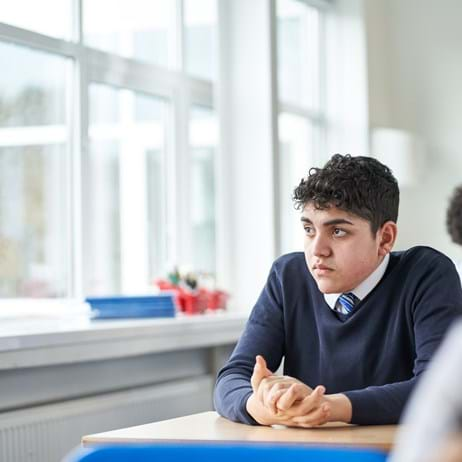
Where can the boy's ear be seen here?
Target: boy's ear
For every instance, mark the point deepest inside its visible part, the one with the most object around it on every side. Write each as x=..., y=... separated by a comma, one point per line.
x=387, y=234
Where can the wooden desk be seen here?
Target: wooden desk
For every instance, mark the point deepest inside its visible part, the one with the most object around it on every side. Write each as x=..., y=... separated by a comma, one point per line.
x=211, y=428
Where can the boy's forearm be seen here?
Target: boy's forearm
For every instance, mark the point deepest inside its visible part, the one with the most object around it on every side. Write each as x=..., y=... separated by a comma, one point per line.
x=340, y=408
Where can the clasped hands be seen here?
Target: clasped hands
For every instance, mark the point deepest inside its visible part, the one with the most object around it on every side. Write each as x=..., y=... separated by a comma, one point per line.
x=284, y=400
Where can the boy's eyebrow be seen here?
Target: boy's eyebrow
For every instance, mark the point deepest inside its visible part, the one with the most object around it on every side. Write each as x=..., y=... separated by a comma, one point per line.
x=335, y=221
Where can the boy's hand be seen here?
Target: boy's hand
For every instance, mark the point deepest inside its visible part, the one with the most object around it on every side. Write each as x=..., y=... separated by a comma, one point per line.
x=282, y=399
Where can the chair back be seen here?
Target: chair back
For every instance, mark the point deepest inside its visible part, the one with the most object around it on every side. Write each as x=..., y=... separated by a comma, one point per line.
x=224, y=453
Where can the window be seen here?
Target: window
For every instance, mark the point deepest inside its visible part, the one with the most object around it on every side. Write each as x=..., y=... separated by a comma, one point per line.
x=126, y=183
x=302, y=119
x=92, y=150
x=299, y=27
x=34, y=161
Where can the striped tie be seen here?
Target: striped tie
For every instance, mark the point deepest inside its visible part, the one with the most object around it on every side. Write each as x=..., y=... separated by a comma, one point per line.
x=347, y=302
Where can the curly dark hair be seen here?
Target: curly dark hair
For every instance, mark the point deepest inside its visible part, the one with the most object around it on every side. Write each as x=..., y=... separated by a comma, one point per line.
x=359, y=185
x=454, y=216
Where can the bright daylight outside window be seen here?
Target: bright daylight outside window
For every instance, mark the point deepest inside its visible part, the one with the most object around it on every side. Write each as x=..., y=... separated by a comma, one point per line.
x=200, y=18
x=141, y=29
x=37, y=16
x=203, y=137
x=34, y=157
x=94, y=131
x=126, y=183
x=300, y=44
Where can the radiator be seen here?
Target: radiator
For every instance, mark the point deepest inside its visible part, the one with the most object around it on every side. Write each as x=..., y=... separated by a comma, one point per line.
x=46, y=433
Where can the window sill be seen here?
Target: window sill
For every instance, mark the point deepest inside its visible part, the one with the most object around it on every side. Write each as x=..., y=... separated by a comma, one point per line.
x=49, y=340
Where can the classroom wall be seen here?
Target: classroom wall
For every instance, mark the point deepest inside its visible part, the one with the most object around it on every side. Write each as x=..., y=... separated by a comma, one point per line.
x=415, y=73
x=246, y=100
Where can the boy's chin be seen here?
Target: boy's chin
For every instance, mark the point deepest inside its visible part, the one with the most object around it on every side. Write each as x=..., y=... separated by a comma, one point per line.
x=327, y=288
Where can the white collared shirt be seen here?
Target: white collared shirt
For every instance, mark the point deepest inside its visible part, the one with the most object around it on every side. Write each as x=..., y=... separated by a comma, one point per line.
x=363, y=289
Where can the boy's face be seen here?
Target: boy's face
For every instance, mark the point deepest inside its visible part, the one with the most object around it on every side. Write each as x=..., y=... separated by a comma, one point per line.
x=340, y=250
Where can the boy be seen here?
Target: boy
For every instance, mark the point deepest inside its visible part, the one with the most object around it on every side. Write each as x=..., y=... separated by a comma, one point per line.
x=355, y=323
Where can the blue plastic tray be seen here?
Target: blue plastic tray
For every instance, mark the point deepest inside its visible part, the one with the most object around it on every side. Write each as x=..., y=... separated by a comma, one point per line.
x=147, y=306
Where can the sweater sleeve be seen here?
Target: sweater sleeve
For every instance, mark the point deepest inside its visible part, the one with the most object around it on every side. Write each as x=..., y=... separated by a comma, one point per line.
x=263, y=335
x=436, y=303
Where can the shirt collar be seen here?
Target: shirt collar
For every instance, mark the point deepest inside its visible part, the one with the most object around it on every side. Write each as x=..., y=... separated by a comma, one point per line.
x=365, y=287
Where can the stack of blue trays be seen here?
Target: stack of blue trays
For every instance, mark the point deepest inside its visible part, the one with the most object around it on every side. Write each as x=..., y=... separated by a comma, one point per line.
x=149, y=306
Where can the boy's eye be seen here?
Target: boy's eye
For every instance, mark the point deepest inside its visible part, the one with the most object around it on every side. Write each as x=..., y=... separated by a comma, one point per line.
x=339, y=232
x=308, y=230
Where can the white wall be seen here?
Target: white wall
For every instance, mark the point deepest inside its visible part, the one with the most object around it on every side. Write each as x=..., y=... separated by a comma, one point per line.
x=415, y=83
x=246, y=100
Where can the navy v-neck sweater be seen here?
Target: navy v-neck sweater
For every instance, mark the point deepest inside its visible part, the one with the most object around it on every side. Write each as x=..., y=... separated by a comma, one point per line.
x=374, y=356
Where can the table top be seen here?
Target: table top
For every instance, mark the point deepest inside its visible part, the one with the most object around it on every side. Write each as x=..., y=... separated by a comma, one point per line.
x=211, y=428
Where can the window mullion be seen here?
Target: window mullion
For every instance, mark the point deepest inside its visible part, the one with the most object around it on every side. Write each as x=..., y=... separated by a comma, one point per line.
x=183, y=223
x=81, y=188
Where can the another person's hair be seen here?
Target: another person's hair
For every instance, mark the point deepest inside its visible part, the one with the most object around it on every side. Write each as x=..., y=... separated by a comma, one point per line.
x=454, y=216
x=358, y=185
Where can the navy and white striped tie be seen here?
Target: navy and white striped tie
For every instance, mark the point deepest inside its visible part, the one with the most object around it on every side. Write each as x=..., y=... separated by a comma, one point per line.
x=347, y=302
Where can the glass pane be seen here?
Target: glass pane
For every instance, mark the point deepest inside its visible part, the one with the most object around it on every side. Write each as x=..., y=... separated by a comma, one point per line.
x=298, y=31
x=203, y=138
x=126, y=232
x=156, y=113
x=141, y=29
x=34, y=144
x=48, y=17
x=200, y=17
x=297, y=146
x=102, y=251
